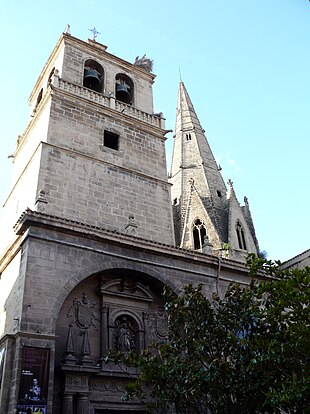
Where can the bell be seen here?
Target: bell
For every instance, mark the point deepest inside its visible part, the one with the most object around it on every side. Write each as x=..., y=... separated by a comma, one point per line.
x=92, y=80
x=122, y=93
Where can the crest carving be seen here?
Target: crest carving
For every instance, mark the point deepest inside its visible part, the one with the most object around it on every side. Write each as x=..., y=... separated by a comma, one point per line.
x=156, y=325
x=83, y=312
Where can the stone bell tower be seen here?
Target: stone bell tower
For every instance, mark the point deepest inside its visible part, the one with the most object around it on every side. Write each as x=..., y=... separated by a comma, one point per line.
x=94, y=151
x=89, y=185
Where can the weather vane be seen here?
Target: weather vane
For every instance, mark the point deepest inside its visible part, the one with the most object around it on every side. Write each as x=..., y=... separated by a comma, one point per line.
x=95, y=33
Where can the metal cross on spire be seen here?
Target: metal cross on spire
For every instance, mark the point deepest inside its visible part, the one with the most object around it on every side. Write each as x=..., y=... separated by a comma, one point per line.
x=180, y=74
x=94, y=32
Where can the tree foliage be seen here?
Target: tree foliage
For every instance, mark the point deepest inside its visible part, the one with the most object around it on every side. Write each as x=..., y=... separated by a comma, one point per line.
x=245, y=353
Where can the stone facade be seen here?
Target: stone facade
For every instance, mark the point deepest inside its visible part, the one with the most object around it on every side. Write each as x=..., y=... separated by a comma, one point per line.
x=300, y=261
x=89, y=236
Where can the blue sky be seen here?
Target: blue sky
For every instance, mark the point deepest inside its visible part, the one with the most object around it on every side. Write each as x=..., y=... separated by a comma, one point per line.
x=245, y=64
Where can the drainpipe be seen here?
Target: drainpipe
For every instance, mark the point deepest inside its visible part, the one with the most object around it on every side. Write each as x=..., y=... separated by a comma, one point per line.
x=219, y=261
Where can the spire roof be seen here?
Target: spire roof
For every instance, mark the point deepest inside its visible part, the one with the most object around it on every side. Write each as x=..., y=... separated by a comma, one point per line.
x=198, y=189
x=191, y=144
x=186, y=110
x=193, y=159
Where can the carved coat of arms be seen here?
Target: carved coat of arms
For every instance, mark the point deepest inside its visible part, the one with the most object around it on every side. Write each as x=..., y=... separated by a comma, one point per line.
x=83, y=312
x=156, y=325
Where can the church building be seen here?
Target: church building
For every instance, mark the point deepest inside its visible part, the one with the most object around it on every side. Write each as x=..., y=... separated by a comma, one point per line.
x=94, y=228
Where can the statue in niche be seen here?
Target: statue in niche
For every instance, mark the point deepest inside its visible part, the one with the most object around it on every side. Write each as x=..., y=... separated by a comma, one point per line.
x=125, y=337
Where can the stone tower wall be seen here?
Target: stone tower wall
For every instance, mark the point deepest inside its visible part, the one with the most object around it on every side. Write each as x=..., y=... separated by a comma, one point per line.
x=62, y=154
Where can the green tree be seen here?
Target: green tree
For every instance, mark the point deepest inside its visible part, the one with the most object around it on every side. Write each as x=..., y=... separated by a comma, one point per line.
x=245, y=353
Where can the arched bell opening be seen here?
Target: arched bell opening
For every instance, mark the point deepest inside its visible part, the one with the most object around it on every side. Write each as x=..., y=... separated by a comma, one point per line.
x=124, y=89
x=93, y=76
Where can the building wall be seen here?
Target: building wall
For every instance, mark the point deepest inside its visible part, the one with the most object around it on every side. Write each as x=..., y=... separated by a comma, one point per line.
x=104, y=186
x=11, y=286
x=23, y=196
x=60, y=261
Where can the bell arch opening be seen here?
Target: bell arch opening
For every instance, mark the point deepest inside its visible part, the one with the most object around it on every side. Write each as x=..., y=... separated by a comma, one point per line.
x=124, y=88
x=93, y=76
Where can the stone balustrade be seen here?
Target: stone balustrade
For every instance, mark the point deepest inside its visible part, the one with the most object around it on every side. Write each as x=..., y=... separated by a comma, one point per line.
x=111, y=102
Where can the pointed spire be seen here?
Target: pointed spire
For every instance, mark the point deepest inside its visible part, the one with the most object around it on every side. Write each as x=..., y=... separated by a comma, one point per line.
x=193, y=159
x=208, y=199
x=70, y=358
x=231, y=191
x=248, y=216
x=188, y=114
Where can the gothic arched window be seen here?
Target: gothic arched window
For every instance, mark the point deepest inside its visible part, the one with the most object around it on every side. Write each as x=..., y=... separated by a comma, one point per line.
x=240, y=235
x=93, y=76
x=124, y=88
x=199, y=233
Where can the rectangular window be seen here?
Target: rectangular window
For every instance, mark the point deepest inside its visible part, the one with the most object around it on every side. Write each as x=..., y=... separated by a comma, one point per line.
x=111, y=140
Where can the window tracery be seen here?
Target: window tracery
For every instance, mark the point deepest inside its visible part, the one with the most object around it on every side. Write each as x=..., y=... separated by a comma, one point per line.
x=240, y=236
x=199, y=234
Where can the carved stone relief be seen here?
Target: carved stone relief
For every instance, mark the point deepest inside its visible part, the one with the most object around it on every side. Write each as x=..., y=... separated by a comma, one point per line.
x=156, y=326
x=82, y=314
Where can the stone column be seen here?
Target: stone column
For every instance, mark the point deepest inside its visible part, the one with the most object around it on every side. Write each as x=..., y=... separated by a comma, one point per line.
x=112, y=100
x=104, y=330
x=67, y=404
x=82, y=403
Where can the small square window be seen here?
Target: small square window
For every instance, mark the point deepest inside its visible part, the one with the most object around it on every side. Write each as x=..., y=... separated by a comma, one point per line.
x=111, y=140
